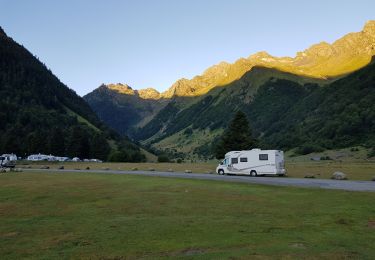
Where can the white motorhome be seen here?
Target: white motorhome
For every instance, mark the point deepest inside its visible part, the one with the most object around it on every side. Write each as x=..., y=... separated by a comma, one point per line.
x=37, y=157
x=8, y=160
x=253, y=162
x=10, y=157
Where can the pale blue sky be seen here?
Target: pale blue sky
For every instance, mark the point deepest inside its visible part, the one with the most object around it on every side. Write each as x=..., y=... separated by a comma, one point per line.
x=152, y=43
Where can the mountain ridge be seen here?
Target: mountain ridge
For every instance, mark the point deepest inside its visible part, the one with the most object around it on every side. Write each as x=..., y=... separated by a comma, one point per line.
x=283, y=113
x=188, y=117
x=345, y=55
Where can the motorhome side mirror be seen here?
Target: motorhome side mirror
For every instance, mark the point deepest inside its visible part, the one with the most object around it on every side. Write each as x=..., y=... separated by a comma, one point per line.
x=221, y=163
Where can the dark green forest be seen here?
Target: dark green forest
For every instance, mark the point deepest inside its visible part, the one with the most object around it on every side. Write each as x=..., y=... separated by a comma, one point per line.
x=39, y=114
x=339, y=115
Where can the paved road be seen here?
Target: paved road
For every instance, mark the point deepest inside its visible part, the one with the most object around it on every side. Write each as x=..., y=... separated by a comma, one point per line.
x=278, y=181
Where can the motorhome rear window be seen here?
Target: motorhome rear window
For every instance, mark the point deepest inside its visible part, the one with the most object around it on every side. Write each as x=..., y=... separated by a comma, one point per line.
x=263, y=157
x=234, y=160
x=243, y=159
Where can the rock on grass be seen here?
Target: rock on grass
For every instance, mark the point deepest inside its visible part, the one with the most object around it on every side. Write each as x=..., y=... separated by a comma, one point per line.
x=339, y=176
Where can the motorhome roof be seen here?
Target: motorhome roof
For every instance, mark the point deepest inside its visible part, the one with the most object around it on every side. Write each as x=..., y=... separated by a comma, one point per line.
x=254, y=150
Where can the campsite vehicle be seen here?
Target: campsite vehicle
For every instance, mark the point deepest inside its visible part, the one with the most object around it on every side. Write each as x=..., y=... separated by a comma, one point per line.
x=44, y=157
x=253, y=162
x=10, y=156
x=37, y=157
x=7, y=161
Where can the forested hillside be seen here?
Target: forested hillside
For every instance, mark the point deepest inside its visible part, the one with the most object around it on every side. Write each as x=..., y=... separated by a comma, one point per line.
x=122, y=108
x=291, y=101
x=39, y=114
x=339, y=115
x=284, y=113
x=195, y=127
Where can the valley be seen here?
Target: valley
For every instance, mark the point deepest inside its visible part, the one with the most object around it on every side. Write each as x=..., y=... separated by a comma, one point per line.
x=124, y=134
x=186, y=120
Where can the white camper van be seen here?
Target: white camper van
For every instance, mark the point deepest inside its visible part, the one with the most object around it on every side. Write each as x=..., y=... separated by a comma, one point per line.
x=8, y=160
x=253, y=162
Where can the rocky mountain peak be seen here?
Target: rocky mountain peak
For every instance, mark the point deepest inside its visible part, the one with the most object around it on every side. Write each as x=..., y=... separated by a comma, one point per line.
x=321, y=60
x=121, y=88
x=149, y=93
x=260, y=55
x=322, y=49
x=369, y=27
x=180, y=88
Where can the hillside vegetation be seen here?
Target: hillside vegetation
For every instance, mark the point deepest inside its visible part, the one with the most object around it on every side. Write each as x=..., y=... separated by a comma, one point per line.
x=283, y=114
x=292, y=103
x=339, y=115
x=39, y=114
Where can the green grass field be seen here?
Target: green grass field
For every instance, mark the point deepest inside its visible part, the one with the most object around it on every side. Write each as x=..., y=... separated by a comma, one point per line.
x=104, y=216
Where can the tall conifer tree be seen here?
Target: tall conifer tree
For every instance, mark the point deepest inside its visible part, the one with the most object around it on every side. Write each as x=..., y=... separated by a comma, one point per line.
x=237, y=136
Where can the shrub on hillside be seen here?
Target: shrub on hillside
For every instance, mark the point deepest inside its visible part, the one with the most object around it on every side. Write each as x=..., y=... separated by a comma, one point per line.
x=163, y=158
x=179, y=160
x=188, y=131
x=308, y=148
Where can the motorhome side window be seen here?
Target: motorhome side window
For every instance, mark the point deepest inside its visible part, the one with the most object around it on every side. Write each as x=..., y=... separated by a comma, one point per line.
x=234, y=160
x=243, y=159
x=263, y=157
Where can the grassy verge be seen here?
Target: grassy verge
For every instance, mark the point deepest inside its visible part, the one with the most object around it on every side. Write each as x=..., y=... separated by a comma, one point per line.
x=96, y=216
x=324, y=169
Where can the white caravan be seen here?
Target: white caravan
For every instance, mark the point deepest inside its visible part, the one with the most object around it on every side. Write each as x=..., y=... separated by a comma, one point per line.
x=8, y=160
x=10, y=157
x=253, y=162
x=37, y=157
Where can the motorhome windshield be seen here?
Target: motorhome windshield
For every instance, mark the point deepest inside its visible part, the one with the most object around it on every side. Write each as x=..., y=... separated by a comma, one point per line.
x=224, y=162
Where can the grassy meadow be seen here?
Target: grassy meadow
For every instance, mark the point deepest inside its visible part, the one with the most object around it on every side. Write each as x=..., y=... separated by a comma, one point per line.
x=97, y=216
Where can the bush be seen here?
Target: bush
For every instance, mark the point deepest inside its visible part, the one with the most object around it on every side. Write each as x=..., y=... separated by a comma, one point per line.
x=163, y=158
x=371, y=153
x=308, y=148
x=118, y=156
x=179, y=160
x=188, y=131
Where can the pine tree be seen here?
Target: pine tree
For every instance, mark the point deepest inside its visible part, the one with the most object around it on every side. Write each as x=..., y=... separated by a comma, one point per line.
x=56, y=142
x=79, y=145
x=99, y=147
x=236, y=137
